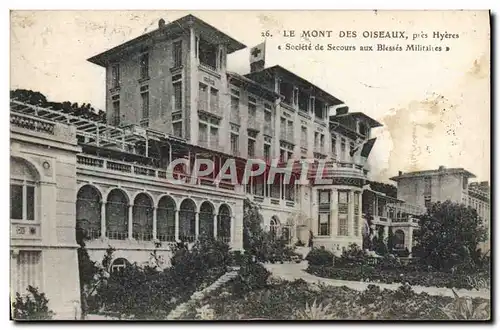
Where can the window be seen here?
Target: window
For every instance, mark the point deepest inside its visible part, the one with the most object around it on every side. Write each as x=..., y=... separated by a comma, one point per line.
x=252, y=112
x=203, y=134
x=427, y=201
x=177, y=128
x=268, y=122
x=144, y=63
x=214, y=137
x=343, y=206
x=115, y=76
x=234, y=144
x=22, y=201
x=290, y=131
x=464, y=182
x=22, y=191
x=282, y=155
x=208, y=134
x=235, y=110
x=334, y=146
x=303, y=101
x=115, y=119
x=214, y=100
x=207, y=54
x=362, y=129
x=177, y=53
x=324, y=205
x=177, y=95
x=251, y=148
x=203, y=97
x=316, y=140
x=427, y=185
x=322, y=142
x=267, y=152
x=303, y=137
x=283, y=128
x=343, y=149
x=324, y=224
x=145, y=104
x=319, y=109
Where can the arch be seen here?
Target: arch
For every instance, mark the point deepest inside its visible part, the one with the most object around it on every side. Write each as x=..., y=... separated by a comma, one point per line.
x=187, y=220
x=142, y=217
x=117, y=209
x=224, y=223
x=88, y=210
x=21, y=167
x=274, y=226
x=399, y=239
x=24, y=189
x=165, y=223
x=206, y=219
x=118, y=265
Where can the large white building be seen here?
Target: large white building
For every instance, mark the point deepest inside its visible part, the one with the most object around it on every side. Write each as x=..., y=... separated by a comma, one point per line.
x=169, y=96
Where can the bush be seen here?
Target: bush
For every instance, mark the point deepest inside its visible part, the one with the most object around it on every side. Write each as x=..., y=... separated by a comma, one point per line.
x=34, y=306
x=320, y=257
x=251, y=276
x=352, y=256
x=150, y=293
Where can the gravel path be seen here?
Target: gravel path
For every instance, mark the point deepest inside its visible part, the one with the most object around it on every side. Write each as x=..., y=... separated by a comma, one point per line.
x=293, y=271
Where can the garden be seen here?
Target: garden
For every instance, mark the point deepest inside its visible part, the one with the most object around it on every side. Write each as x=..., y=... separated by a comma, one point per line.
x=445, y=254
x=259, y=298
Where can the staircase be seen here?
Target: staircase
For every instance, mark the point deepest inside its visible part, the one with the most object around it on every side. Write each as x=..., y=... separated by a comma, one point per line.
x=199, y=295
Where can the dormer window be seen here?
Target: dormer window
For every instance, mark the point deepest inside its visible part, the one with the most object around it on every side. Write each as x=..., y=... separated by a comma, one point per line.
x=363, y=130
x=207, y=53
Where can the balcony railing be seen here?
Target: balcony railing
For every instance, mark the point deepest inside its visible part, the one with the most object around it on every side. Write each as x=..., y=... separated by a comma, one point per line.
x=32, y=123
x=123, y=167
x=118, y=235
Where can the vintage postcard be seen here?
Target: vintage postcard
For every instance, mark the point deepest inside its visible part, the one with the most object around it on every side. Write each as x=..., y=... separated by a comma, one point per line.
x=250, y=165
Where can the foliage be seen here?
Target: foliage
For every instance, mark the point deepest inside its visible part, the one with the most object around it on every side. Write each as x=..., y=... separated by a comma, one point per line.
x=400, y=274
x=464, y=308
x=148, y=292
x=352, y=256
x=36, y=98
x=320, y=257
x=449, y=234
x=315, y=312
x=33, y=306
x=285, y=300
x=263, y=245
x=251, y=276
x=388, y=189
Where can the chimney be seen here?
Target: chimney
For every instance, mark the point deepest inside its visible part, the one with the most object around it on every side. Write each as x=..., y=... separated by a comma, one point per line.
x=400, y=173
x=161, y=23
x=342, y=111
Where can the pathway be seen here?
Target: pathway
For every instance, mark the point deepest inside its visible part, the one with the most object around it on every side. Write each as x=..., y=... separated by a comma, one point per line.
x=293, y=271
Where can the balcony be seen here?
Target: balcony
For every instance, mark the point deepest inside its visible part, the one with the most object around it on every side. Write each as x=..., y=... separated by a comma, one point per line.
x=22, y=123
x=110, y=166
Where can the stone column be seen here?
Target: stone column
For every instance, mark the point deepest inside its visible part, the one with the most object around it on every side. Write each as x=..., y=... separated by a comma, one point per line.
x=350, y=215
x=215, y=225
x=155, y=220
x=176, y=214
x=334, y=213
x=103, y=220
x=197, y=224
x=130, y=221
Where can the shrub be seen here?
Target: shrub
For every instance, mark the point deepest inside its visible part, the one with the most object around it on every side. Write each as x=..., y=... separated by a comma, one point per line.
x=34, y=306
x=251, y=276
x=320, y=257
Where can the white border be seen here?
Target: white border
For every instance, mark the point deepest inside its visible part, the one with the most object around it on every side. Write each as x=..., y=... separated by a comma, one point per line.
x=188, y=5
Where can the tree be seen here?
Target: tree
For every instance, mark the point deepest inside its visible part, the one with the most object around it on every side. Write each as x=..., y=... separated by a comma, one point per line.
x=449, y=233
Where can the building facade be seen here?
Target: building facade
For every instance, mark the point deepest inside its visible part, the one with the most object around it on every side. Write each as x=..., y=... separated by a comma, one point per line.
x=425, y=187
x=170, y=99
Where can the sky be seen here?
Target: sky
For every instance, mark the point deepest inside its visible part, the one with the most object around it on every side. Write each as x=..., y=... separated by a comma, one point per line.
x=434, y=106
